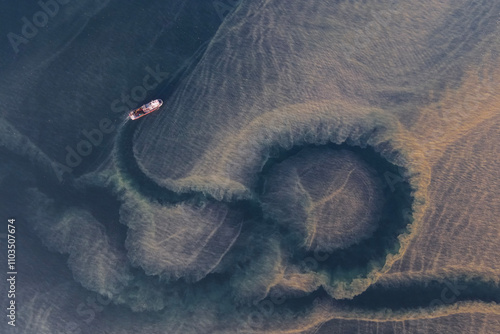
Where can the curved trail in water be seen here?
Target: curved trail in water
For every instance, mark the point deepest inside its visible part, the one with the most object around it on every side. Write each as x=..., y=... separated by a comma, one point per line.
x=355, y=261
x=435, y=294
x=383, y=242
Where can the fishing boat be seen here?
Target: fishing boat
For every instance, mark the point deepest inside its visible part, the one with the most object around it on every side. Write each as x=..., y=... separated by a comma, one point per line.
x=148, y=108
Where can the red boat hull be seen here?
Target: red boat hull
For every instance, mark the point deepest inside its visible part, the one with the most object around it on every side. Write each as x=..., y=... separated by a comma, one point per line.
x=146, y=109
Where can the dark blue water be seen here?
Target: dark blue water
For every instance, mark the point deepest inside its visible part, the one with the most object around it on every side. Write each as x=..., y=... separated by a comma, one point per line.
x=59, y=79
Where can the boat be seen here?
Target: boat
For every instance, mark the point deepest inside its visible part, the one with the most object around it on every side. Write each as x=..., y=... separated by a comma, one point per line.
x=146, y=109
